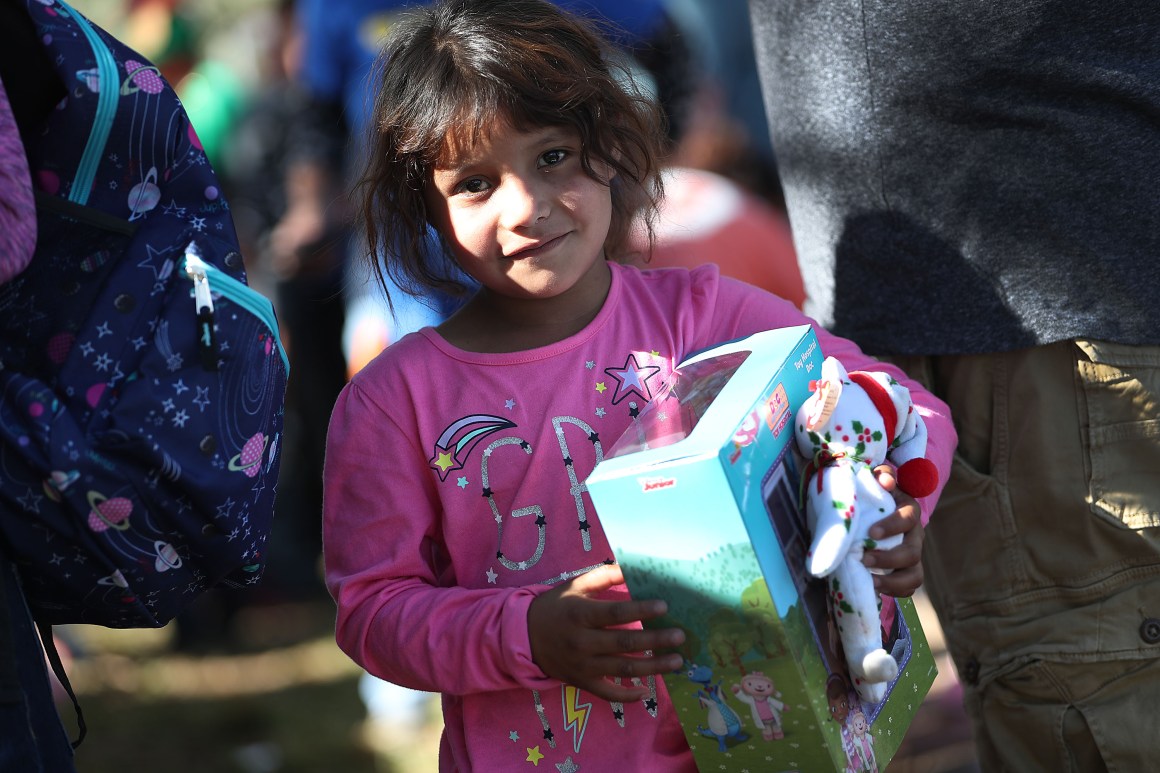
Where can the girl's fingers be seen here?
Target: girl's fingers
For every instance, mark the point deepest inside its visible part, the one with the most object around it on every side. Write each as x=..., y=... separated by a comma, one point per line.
x=612, y=692
x=906, y=555
x=611, y=613
x=645, y=640
x=899, y=583
x=628, y=667
x=612, y=677
x=615, y=642
x=896, y=523
x=599, y=579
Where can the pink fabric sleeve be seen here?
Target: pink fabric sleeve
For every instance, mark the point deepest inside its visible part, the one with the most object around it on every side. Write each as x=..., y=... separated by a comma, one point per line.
x=400, y=616
x=17, y=206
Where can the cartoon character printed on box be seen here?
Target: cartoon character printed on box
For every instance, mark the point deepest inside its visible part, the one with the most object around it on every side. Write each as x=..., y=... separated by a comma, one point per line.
x=838, y=697
x=843, y=704
x=723, y=721
x=863, y=744
x=759, y=693
x=852, y=423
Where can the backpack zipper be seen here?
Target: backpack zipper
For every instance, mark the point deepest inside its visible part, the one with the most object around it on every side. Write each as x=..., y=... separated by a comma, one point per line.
x=206, y=277
x=106, y=112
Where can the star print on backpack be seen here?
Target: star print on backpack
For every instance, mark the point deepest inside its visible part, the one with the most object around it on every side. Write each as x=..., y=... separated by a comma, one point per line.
x=142, y=381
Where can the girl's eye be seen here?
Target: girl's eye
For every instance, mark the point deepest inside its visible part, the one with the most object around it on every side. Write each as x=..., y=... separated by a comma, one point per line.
x=473, y=185
x=553, y=157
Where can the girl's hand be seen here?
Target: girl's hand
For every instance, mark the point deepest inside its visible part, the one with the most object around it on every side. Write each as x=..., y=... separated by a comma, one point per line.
x=574, y=639
x=906, y=559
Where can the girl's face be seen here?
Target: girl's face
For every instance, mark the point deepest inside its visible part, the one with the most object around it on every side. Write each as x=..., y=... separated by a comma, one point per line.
x=521, y=215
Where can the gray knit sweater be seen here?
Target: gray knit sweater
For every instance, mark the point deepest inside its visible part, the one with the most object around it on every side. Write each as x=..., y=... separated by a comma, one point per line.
x=969, y=175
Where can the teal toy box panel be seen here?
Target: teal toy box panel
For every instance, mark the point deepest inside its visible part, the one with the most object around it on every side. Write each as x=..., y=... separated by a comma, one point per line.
x=700, y=502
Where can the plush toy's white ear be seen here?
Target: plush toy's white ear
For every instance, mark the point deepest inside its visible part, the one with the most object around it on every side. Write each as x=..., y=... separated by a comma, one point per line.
x=827, y=390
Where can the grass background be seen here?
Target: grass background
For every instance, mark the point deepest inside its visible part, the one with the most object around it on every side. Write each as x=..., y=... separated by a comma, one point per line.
x=278, y=696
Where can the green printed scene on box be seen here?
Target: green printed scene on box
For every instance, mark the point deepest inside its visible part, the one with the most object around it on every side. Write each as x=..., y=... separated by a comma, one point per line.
x=705, y=492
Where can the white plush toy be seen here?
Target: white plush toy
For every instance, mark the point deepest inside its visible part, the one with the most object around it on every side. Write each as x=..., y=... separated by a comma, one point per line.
x=849, y=425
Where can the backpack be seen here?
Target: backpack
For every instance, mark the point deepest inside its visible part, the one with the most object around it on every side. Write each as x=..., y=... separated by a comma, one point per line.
x=142, y=381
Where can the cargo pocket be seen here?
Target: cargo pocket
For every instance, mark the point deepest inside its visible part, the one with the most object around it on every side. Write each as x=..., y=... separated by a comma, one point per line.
x=1121, y=388
x=1118, y=715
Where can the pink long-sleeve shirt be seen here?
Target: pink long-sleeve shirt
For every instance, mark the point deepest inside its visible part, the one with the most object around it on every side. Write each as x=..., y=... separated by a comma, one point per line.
x=454, y=494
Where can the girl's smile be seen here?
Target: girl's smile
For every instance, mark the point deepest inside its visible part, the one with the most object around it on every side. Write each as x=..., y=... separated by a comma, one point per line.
x=537, y=249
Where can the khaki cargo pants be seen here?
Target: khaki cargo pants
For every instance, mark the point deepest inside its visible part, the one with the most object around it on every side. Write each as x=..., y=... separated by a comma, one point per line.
x=1043, y=556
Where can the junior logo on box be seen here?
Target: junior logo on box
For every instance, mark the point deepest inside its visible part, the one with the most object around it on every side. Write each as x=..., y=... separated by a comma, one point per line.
x=656, y=484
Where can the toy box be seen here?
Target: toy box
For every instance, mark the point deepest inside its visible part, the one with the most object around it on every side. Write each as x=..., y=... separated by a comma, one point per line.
x=700, y=503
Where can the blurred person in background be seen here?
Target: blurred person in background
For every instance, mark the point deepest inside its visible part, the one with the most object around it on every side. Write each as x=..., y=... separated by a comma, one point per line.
x=169, y=34
x=307, y=288
x=340, y=42
x=722, y=200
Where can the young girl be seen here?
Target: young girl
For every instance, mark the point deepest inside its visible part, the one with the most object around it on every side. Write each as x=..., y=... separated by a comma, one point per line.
x=461, y=546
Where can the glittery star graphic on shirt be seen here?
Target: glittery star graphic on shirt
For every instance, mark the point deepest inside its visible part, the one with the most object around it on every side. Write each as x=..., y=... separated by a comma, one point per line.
x=632, y=378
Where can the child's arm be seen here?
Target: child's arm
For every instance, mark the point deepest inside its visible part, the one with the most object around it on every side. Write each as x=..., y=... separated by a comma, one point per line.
x=402, y=614
x=581, y=641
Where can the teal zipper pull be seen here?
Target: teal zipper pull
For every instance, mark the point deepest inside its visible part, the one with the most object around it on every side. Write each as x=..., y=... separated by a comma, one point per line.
x=207, y=346
x=236, y=292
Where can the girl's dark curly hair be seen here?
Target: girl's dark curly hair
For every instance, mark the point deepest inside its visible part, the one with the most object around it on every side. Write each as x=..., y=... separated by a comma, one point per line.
x=451, y=72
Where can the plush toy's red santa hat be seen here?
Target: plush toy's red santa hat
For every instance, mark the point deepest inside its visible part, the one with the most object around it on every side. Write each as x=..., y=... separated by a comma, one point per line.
x=905, y=430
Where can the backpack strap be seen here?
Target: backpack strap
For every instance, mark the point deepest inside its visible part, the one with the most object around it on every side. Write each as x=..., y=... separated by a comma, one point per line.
x=10, y=683
x=49, y=644
x=9, y=679
x=106, y=111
